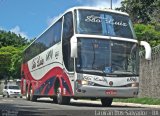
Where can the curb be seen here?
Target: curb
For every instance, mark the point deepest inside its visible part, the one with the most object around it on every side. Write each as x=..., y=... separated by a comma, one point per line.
x=136, y=105
x=121, y=104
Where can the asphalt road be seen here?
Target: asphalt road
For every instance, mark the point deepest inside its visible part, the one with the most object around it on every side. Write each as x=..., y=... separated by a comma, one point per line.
x=45, y=106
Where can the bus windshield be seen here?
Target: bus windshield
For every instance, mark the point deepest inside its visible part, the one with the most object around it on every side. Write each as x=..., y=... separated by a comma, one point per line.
x=104, y=23
x=107, y=57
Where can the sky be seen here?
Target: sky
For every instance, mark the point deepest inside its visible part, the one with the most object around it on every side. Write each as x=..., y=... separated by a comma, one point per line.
x=30, y=18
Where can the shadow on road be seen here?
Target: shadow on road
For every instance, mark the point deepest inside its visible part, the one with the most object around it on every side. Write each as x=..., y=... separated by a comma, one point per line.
x=83, y=104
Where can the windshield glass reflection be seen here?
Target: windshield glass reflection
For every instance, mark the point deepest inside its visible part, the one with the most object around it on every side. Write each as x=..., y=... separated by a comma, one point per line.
x=107, y=57
x=104, y=23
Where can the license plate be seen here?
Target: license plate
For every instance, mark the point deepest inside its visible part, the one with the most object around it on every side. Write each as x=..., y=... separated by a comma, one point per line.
x=111, y=92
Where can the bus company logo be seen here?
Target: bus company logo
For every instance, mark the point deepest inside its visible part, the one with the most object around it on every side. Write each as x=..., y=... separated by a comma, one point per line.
x=99, y=79
x=33, y=64
x=49, y=55
x=37, y=62
x=40, y=61
x=56, y=54
x=108, y=20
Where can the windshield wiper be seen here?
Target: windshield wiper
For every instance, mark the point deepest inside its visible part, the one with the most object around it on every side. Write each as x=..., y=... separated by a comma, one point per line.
x=98, y=71
x=124, y=73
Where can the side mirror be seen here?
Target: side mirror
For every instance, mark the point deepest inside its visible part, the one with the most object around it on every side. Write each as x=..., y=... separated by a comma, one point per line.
x=73, y=43
x=148, y=49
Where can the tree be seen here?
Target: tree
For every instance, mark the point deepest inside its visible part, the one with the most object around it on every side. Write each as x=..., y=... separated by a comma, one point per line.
x=16, y=63
x=140, y=11
x=10, y=63
x=5, y=64
x=154, y=16
x=147, y=33
x=11, y=47
x=11, y=39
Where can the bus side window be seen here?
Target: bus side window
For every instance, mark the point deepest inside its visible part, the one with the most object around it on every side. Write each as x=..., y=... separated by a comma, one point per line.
x=67, y=34
x=55, y=33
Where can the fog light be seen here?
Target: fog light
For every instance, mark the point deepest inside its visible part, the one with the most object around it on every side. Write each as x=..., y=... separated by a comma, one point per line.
x=135, y=84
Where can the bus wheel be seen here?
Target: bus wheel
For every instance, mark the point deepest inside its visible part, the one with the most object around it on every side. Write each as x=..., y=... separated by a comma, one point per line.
x=55, y=100
x=32, y=97
x=106, y=102
x=27, y=94
x=62, y=99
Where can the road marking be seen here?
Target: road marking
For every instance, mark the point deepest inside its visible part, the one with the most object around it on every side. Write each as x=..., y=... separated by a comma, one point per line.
x=119, y=104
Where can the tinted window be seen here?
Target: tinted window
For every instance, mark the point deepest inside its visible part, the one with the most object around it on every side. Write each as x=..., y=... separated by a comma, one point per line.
x=45, y=41
x=67, y=34
x=107, y=57
x=104, y=23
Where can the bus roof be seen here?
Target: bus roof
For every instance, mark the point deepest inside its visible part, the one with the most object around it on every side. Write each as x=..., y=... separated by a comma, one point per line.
x=97, y=9
x=80, y=7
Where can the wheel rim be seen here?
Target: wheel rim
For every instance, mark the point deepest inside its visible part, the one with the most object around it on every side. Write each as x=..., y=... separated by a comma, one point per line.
x=27, y=95
x=59, y=96
x=31, y=93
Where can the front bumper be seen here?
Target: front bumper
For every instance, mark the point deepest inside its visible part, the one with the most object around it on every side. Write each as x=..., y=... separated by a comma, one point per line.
x=114, y=92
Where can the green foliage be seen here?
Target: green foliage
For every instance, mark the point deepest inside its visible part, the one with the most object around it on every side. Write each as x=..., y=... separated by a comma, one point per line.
x=142, y=11
x=154, y=15
x=10, y=62
x=148, y=33
x=5, y=64
x=11, y=47
x=145, y=16
x=11, y=39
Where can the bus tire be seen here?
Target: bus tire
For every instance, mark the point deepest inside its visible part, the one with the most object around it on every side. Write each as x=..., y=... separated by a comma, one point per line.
x=106, y=102
x=63, y=100
x=55, y=100
x=32, y=97
x=27, y=94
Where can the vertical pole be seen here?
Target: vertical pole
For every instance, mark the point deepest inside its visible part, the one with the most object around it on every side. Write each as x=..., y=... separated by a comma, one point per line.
x=111, y=4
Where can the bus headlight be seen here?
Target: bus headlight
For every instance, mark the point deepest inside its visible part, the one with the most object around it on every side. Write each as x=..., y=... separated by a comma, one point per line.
x=84, y=82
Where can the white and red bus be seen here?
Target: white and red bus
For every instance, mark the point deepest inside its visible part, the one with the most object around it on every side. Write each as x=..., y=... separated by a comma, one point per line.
x=86, y=53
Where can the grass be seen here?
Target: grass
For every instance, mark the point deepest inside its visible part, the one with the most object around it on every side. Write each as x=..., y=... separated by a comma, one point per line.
x=149, y=101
